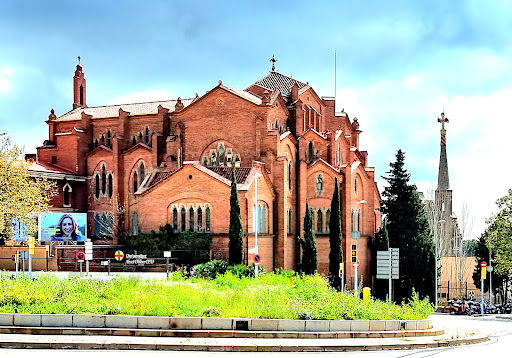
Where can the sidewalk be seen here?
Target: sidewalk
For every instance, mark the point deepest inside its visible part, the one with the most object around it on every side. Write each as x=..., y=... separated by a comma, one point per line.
x=114, y=342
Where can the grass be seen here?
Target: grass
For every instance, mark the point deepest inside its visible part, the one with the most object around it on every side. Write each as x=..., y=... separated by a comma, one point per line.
x=270, y=296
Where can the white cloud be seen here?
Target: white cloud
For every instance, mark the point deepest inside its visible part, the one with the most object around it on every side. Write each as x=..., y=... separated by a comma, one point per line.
x=5, y=82
x=478, y=148
x=411, y=82
x=145, y=96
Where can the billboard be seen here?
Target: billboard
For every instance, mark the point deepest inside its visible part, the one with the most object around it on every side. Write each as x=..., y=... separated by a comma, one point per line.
x=19, y=230
x=65, y=227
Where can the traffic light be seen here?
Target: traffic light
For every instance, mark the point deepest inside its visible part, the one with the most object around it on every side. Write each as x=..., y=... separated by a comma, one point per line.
x=354, y=253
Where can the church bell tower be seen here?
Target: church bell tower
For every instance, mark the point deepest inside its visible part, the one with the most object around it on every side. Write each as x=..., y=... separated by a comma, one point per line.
x=79, y=87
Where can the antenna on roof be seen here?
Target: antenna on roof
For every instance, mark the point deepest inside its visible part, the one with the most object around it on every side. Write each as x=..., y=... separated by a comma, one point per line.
x=334, y=80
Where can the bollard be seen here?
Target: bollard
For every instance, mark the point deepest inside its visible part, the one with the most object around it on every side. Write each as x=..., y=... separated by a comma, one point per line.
x=366, y=294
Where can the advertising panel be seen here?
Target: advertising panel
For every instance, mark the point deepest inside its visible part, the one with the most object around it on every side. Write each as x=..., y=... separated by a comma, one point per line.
x=64, y=227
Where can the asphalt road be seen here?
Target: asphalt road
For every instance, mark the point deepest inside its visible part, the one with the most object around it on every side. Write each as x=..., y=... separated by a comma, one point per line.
x=499, y=330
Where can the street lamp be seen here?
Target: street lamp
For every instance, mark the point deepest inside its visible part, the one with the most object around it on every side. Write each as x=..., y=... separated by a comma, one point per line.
x=256, y=221
x=355, y=235
x=436, y=245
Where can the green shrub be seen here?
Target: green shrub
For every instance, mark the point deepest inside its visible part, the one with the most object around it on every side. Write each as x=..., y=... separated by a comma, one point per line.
x=211, y=269
x=271, y=295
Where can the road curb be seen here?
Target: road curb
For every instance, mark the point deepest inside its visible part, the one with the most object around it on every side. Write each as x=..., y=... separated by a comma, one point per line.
x=228, y=345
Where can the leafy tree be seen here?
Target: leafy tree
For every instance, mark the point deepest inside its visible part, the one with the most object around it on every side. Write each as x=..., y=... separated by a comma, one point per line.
x=22, y=198
x=379, y=243
x=236, y=231
x=308, y=244
x=499, y=234
x=497, y=238
x=408, y=230
x=335, y=253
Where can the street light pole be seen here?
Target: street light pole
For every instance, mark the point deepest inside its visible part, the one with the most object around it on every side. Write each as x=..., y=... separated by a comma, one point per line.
x=256, y=221
x=355, y=235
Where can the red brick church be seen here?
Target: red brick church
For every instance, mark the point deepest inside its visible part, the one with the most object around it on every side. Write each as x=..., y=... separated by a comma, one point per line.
x=170, y=162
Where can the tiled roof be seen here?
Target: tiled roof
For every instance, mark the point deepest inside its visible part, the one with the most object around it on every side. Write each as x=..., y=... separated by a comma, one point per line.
x=48, y=168
x=240, y=173
x=282, y=82
x=160, y=176
x=246, y=95
x=113, y=110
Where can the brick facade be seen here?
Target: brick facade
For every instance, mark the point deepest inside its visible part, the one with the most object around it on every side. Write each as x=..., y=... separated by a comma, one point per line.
x=169, y=158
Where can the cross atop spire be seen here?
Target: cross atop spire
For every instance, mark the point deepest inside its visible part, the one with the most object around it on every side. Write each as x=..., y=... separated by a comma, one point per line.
x=443, y=120
x=78, y=59
x=273, y=60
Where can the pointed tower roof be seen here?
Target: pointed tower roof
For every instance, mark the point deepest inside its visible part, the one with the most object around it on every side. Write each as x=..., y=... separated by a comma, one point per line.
x=443, y=179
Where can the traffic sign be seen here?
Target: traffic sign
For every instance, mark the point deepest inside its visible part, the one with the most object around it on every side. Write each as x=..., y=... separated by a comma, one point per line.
x=31, y=245
x=119, y=255
x=167, y=253
x=88, y=257
x=356, y=263
x=483, y=264
x=80, y=255
x=257, y=258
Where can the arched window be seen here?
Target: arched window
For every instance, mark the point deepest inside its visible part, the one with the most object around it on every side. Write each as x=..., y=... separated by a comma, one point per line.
x=135, y=182
x=327, y=221
x=103, y=180
x=310, y=152
x=102, y=139
x=207, y=220
x=355, y=186
x=290, y=174
x=97, y=224
x=110, y=186
x=183, y=219
x=109, y=138
x=135, y=224
x=191, y=219
x=319, y=221
x=134, y=140
x=146, y=137
x=262, y=218
x=175, y=219
x=96, y=144
x=199, y=219
x=81, y=95
x=142, y=174
x=290, y=221
x=319, y=183
x=97, y=185
x=66, y=192
x=140, y=136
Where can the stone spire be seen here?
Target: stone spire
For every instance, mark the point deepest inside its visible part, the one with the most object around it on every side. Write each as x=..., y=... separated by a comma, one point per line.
x=443, y=180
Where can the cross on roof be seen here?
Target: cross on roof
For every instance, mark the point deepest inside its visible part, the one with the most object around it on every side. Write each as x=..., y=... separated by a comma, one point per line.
x=273, y=60
x=443, y=120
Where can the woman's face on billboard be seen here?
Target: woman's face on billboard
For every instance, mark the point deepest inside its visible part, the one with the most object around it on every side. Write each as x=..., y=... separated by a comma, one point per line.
x=67, y=226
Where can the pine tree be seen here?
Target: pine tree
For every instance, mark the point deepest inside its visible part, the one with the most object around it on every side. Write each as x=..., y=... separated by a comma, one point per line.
x=308, y=244
x=236, y=231
x=408, y=230
x=335, y=254
x=379, y=243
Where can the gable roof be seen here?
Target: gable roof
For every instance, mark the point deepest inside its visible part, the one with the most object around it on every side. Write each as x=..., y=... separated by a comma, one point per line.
x=112, y=111
x=52, y=171
x=241, y=173
x=273, y=80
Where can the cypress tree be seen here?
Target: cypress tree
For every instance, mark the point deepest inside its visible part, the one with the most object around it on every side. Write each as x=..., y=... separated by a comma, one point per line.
x=408, y=230
x=308, y=244
x=335, y=254
x=236, y=231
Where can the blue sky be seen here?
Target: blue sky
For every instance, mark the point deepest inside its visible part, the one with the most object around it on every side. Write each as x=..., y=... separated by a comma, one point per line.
x=399, y=64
